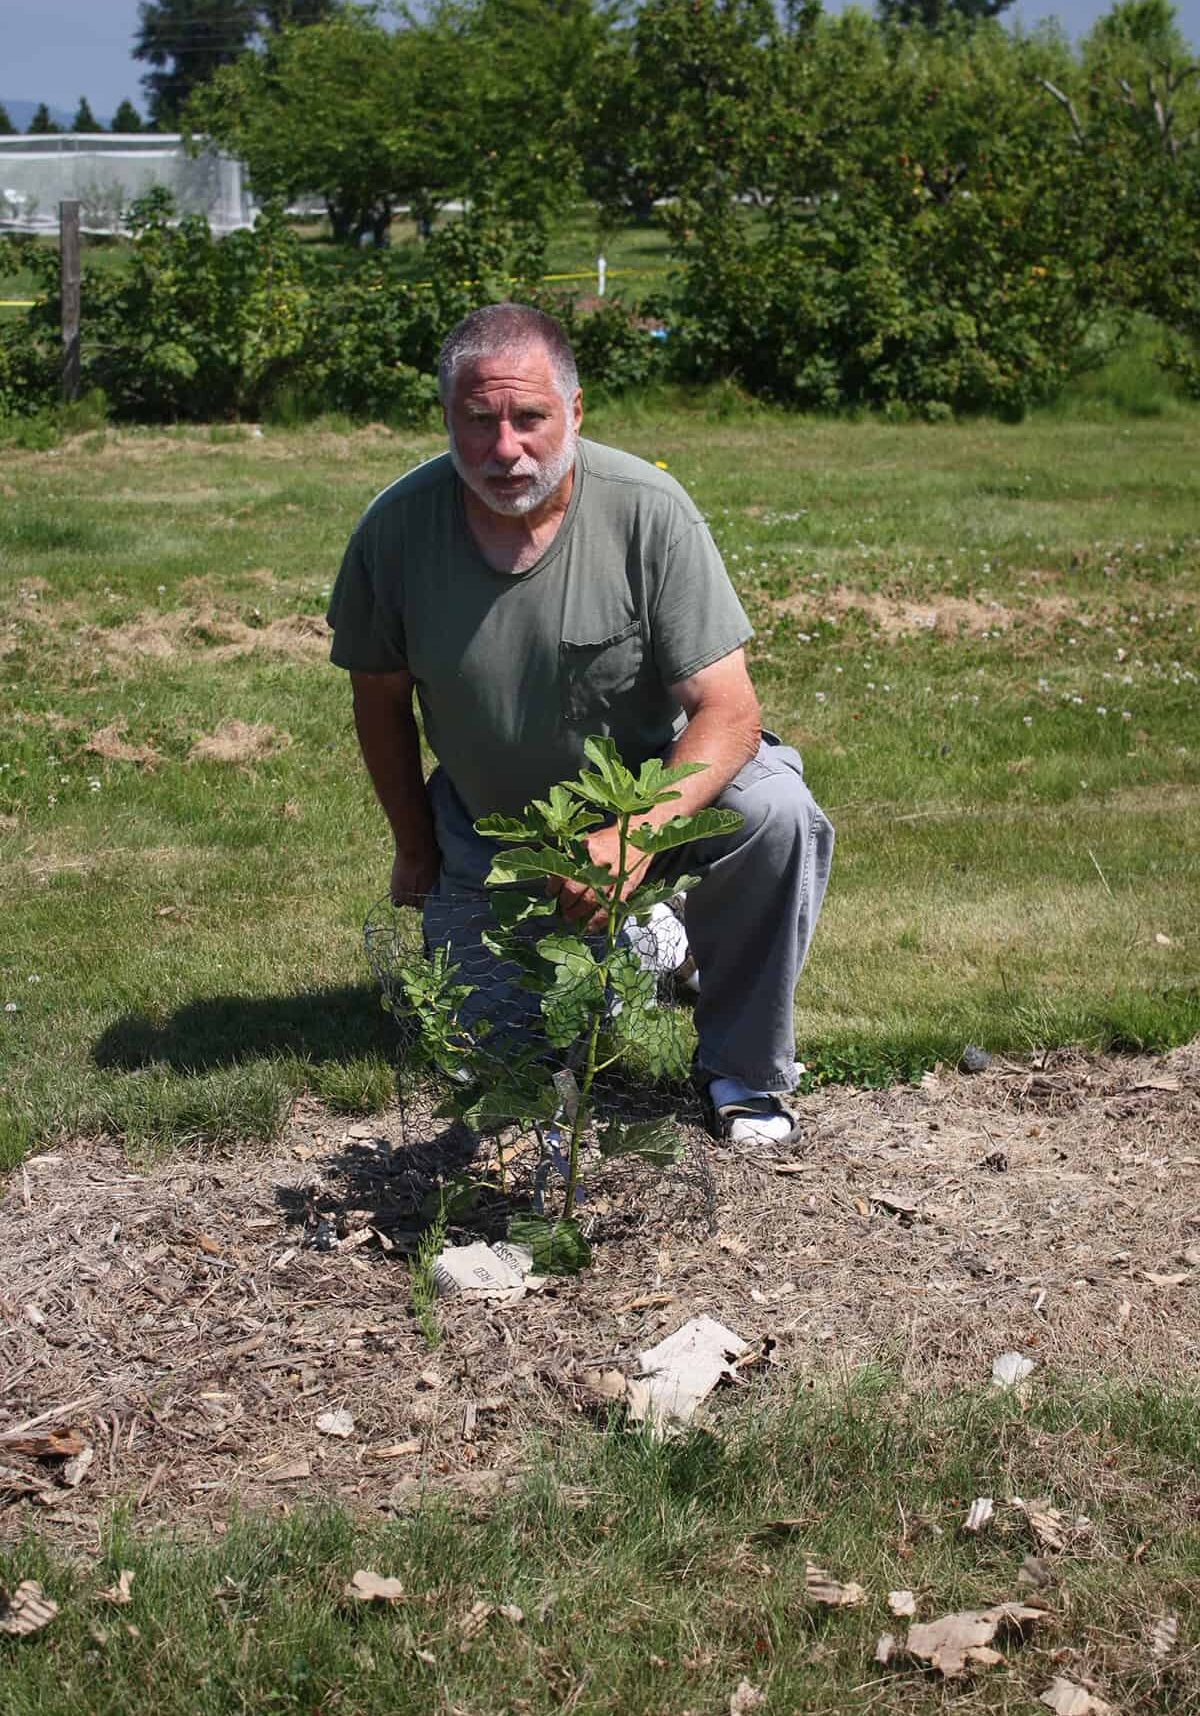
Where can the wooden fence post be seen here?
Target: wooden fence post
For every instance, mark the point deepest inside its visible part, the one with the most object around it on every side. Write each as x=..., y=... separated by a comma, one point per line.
x=68, y=230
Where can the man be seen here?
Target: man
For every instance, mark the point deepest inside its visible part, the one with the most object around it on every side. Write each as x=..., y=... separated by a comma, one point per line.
x=533, y=588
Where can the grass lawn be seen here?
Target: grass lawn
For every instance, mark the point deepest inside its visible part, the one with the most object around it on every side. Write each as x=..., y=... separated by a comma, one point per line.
x=982, y=638
x=621, y=1577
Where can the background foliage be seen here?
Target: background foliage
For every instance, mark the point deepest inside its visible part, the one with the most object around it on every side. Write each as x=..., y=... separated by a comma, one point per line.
x=929, y=217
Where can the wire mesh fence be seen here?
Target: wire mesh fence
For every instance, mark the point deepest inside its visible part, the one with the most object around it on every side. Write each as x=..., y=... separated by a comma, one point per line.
x=505, y=1043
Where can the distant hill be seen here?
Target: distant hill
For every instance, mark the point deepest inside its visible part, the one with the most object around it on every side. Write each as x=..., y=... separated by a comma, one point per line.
x=21, y=112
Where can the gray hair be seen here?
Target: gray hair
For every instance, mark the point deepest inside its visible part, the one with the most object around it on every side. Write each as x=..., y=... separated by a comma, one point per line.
x=506, y=328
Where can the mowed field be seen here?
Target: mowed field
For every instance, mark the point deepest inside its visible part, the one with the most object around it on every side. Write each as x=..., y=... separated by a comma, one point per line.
x=983, y=640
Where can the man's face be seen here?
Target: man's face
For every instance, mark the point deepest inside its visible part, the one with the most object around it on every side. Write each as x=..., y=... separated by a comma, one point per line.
x=512, y=435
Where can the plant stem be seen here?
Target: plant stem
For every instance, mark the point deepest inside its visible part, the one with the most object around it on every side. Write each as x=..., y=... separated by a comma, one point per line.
x=612, y=927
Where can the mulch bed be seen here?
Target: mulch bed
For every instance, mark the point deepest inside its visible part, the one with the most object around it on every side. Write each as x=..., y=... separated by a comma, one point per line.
x=183, y=1323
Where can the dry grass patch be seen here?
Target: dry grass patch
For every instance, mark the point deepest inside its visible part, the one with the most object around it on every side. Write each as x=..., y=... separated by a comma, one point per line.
x=109, y=744
x=942, y=616
x=237, y=741
x=162, y=636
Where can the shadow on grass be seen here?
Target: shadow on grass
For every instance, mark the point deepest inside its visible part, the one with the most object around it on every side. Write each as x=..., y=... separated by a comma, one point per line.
x=225, y=1030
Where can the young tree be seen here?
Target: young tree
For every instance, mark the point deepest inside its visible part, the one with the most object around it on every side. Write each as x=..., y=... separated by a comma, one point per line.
x=41, y=125
x=127, y=119
x=85, y=119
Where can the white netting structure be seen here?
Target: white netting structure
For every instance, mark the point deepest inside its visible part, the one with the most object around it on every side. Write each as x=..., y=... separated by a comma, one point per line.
x=107, y=173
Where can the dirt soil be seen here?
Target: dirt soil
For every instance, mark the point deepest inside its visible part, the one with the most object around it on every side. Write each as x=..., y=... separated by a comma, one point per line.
x=183, y=1323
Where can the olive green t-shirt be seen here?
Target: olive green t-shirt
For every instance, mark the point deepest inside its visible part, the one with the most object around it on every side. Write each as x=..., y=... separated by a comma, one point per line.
x=514, y=670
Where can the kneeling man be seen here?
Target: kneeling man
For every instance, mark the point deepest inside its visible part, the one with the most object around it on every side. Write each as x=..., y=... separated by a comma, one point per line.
x=532, y=588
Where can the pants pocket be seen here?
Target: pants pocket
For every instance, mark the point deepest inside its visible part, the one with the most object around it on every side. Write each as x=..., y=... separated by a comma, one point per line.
x=595, y=675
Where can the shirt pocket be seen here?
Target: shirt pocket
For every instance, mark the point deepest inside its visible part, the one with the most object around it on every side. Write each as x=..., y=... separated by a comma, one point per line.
x=595, y=675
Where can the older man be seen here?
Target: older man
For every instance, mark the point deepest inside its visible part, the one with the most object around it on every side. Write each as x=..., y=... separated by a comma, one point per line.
x=531, y=588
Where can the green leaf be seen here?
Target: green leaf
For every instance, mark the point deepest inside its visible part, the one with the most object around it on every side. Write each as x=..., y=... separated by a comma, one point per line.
x=656, y=778
x=558, y=1247
x=458, y=1199
x=562, y=948
x=656, y=893
x=511, y=907
x=517, y=1100
x=611, y=778
x=655, y=1141
x=523, y=863
x=632, y=985
x=507, y=828
x=682, y=830
x=571, y=1002
x=562, y=816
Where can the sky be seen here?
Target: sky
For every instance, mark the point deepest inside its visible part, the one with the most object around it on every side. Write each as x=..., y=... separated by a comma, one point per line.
x=57, y=50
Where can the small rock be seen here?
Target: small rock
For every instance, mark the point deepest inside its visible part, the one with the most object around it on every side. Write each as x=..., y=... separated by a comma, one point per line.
x=974, y=1059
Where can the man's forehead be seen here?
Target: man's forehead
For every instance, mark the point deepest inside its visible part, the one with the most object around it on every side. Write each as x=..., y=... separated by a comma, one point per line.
x=524, y=368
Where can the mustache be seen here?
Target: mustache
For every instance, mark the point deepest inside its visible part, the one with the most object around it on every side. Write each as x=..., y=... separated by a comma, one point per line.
x=525, y=466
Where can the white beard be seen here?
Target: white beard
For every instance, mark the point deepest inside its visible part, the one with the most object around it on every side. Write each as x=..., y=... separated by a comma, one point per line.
x=544, y=475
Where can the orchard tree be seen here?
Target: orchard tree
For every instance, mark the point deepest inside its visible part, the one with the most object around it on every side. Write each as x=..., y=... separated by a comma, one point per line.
x=676, y=96
x=528, y=70
x=339, y=109
x=127, y=119
x=85, y=119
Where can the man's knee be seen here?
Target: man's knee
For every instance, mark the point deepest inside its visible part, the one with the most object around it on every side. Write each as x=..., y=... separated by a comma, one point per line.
x=777, y=809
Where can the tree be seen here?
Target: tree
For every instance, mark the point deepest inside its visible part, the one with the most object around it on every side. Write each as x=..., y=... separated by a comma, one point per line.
x=519, y=106
x=85, y=119
x=127, y=119
x=339, y=109
x=41, y=125
x=7, y=128
x=186, y=41
x=277, y=14
x=940, y=14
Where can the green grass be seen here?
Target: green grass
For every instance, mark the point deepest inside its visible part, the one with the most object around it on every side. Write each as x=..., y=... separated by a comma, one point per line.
x=649, y=1577
x=182, y=949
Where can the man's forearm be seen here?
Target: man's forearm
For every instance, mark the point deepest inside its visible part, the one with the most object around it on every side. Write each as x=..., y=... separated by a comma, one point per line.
x=723, y=744
x=391, y=750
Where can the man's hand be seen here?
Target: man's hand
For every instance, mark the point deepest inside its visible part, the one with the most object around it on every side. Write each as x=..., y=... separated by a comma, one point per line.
x=579, y=904
x=414, y=872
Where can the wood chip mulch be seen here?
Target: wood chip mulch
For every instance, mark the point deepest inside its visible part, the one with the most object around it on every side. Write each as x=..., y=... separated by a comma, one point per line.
x=170, y=1336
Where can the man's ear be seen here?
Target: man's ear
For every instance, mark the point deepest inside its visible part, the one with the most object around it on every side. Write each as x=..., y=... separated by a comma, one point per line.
x=577, y=409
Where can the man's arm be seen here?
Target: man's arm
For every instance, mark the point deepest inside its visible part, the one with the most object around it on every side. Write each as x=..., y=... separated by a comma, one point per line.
x=723, y=732
x=391, y=749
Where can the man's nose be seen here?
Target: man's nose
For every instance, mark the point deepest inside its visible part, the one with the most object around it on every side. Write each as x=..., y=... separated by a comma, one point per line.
x=508, y=447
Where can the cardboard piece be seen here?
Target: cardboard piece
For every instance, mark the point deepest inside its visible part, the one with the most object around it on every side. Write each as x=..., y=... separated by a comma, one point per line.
x=685, y=1368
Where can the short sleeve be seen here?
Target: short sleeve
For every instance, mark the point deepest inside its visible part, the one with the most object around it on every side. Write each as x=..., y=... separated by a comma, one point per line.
x=696, y=617
x=367, y=637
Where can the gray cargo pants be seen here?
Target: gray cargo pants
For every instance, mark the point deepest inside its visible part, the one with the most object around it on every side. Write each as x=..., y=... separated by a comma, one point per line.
x=749, y=920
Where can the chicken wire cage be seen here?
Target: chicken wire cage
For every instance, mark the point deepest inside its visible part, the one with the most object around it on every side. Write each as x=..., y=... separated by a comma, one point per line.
x=506, y=1032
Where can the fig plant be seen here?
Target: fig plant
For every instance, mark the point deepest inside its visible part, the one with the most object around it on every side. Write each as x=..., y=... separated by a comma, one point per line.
x=593, y=995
